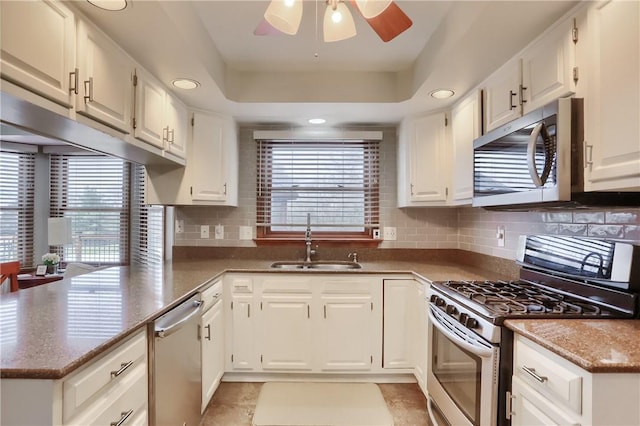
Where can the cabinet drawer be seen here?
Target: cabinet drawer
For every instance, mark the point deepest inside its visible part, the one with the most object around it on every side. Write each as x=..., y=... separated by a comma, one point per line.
x=103, y=373
x=126, y=401
x=548, y=373
x=210, y=295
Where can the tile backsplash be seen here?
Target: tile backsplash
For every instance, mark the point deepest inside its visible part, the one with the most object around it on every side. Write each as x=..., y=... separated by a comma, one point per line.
x=466, y=228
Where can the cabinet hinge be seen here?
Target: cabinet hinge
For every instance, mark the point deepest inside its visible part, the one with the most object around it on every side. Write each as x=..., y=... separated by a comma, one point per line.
x=191, y=193
x=135, y=80
x=133, y=120
x=575, y=75
x=574, y=32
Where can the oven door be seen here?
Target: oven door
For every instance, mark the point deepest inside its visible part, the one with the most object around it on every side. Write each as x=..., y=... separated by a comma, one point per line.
x=462, y=378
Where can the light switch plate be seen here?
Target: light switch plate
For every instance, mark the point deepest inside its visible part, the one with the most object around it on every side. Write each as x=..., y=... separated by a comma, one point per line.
x=204, y=231
x=219, y=232
x=246, y=233
x=179, y=226
x=500, y=235
x=390, y=233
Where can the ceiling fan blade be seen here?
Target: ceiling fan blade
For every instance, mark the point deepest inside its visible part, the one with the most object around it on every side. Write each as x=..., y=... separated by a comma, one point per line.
x=390, y=23
x=266, y=29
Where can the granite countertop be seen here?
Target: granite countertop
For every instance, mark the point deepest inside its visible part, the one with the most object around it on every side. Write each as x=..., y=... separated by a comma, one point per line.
x=598, y=346
x=48, y=331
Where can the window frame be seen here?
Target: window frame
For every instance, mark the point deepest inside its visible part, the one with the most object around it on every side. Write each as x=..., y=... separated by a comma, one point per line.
x=371, y=191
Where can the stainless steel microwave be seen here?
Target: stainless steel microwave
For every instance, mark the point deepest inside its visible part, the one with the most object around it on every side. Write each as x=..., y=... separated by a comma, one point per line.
x=536, y=161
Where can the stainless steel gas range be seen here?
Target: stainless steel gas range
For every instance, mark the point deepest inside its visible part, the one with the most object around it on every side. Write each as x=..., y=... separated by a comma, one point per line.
x=470, y=351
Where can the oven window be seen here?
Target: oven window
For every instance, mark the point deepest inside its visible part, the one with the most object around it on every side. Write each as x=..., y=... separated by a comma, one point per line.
x=459, y=372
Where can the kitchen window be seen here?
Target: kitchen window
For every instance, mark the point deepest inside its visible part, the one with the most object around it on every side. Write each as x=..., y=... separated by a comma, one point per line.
x=147, y=223
x=17, y=182
x=94, y=192
x=335, y=182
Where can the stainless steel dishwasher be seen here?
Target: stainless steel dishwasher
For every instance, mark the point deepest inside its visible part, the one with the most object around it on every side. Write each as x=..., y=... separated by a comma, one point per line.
x=176, y=380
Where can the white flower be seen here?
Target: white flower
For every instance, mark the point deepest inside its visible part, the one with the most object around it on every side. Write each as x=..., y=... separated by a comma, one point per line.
x=51, y=258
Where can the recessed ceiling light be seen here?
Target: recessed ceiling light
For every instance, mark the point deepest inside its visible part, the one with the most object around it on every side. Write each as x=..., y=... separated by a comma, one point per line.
x=317, y=121
x=112, y=5
x=442, y=93
x=185, y=83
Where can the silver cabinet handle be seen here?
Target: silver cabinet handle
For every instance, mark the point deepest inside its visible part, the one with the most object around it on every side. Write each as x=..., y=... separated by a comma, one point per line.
x=165, y=133
x=225, y=188
x=522, y=99
x=73, y=87
x=208, y=327
x=89, y=83
x=123, y=367
x=171, y=138
x=532, y=373
x=511, y=96
x=123, y=418
x=588, y=155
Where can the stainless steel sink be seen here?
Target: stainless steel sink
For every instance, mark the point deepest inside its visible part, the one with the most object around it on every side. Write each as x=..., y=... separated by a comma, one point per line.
x=318, y=265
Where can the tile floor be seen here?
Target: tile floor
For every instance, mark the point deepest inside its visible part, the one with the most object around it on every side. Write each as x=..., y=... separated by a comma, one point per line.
x=234, y=403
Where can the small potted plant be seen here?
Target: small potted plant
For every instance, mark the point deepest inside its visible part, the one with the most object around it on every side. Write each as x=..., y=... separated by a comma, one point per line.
x=51, y=260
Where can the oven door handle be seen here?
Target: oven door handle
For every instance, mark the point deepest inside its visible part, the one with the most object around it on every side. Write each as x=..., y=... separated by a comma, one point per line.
x=480, y=351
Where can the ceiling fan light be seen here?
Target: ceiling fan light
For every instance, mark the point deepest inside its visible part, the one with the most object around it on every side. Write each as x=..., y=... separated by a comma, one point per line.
x=343, y=29
x=284, y=15
x=372, y=8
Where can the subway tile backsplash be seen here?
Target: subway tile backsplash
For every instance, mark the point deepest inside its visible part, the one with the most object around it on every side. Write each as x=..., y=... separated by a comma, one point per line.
x=466, y=228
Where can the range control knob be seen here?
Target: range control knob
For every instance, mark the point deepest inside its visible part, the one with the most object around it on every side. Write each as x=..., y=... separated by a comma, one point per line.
x=451, y=310
x=463, y=318
x=440, y=301
x=471, y=322
x=433, y=298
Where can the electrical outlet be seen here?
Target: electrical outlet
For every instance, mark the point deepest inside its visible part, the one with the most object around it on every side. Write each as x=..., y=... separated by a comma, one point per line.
x=500, y=235
x=204, y=231
x=219, y=232
x=179, y=226
x=376, y=234
x=246, y=233
x=390, y=233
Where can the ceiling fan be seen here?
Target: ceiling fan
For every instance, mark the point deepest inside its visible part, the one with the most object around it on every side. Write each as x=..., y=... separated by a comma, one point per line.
x=384, y=16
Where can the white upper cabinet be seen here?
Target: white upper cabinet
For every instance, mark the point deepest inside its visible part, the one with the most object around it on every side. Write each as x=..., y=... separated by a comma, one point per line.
x=160, y=118
x=422, y=161
x=612, y=101
x=38, y=48
x=541, y=73
x=466, y=122
x=213, y=160
x=106, y=78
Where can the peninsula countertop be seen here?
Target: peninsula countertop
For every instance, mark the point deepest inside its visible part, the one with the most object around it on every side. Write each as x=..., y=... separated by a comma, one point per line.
x=48, y=331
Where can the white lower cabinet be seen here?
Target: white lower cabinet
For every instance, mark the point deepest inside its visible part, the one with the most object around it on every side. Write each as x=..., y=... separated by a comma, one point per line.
x=304, y=323
x=107, y=390
x=400, y=321
x=550, y=390
x=421, y=336
x=212, y=342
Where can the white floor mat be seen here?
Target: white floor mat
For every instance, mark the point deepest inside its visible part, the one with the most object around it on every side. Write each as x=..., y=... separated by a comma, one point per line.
x=321, y=404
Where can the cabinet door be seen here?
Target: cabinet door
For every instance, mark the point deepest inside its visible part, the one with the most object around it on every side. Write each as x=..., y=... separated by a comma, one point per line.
x=399, y=319
x=243, y=353
x=346, y=332
x=106, y=79
x=286, y=332
x=420, y=350
x=501, y=95
x=150, y=123
x=530, y=408
x=38, y=48
x=177, y=119
x=547, y=67
x=612, y=128
x=427, y=168
x=465, y=123
x=207, y=162
x=212, y=345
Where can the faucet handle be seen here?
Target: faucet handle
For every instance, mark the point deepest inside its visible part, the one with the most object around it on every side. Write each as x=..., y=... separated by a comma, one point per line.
x=354, y=256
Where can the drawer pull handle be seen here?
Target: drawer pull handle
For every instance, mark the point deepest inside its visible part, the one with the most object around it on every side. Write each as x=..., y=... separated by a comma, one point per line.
x=124, y=416
x=123, y=367
x=208, y=327
x=532, y=373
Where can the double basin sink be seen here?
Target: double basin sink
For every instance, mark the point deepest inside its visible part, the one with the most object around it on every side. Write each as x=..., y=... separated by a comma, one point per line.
x=316, y=265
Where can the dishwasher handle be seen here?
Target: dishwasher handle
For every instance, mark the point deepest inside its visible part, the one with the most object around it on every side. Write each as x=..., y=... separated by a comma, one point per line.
x=180, y=322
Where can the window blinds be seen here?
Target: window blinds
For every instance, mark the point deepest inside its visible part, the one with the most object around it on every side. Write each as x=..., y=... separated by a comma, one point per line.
x=147, y=224
x=336, y=181
x=94, y=192
x=16, y=206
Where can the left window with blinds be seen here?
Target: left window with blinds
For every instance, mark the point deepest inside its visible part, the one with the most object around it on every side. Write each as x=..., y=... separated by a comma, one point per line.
x=17, y=183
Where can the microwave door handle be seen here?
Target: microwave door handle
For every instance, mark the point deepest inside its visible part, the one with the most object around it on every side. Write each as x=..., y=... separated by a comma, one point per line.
x=531, y=155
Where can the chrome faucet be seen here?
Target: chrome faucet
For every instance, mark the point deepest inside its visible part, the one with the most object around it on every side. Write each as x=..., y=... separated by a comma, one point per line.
x=307, y=239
